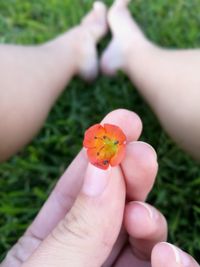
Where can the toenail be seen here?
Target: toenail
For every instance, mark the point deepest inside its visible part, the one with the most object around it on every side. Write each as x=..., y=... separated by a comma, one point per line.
x=97, y=5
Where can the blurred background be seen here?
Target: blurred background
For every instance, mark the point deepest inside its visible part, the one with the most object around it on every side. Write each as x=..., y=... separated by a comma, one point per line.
x=27, y=178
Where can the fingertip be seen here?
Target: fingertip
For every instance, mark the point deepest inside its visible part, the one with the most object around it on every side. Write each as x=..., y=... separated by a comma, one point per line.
x=128, y=121
x=144, y=152
x=168, y=255
x=146, y=148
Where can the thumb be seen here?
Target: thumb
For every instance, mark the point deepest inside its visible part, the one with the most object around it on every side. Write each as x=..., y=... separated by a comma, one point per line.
x=86, y=235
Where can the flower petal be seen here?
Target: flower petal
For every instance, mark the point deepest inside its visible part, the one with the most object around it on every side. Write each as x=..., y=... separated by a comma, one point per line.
x=96, y=160
x=89, y=139
x=118, y=157
x=114, y=132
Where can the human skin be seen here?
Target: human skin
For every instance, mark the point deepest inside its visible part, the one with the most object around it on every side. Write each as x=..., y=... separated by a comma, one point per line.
x=168, y=80
x=86, y=221
x=32, y=78
x=60, y=237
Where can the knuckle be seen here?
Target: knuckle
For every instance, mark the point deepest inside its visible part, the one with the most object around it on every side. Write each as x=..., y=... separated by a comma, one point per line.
x=74, y=225
x=82, y=229
x=21, y=251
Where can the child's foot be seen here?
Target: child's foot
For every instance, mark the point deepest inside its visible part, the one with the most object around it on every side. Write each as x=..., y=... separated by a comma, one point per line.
x=81, y=42
x=93, y=27
x=126, y=35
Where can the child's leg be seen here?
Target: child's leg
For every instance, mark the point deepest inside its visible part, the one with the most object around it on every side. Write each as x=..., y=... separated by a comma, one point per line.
x=168, y=80
x=32, y=77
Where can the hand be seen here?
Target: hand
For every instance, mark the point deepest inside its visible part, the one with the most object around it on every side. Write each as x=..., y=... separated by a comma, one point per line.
x=82, y=225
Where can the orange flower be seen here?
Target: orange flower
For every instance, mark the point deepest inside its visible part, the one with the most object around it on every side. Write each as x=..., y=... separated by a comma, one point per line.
x=105, y=145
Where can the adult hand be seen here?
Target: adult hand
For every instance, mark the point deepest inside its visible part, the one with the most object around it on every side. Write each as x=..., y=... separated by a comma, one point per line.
x=81, y=224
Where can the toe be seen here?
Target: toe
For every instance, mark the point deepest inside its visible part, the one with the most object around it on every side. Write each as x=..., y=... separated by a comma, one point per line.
x=96, y=21
x=94, y=26
x=121, y=25
x=100, y=7
x=121, y=3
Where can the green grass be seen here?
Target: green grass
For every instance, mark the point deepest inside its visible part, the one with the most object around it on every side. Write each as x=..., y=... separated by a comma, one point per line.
x=27, y=178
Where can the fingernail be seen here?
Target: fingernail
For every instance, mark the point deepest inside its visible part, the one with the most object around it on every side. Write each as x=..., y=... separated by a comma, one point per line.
x=147, y=145
x=95, y=181
x=185, y=259
x=151, y=212
x=151, y=148
x=181, y=257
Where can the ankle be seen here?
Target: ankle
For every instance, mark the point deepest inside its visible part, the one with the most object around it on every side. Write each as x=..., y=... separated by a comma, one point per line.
x=138, y=53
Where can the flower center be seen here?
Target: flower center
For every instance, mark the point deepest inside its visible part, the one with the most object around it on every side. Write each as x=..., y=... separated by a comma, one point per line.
x=106, y=147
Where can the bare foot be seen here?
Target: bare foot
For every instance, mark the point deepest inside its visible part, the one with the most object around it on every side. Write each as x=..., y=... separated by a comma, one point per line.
x=92, y=29
x=126, y=35
x=78, y=45
x=163, y=77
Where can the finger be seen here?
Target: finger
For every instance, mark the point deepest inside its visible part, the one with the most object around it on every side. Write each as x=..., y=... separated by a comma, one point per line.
x=132, y=127
x=55, y=208
x=87, y=234
x=146, y=227
x=167, y=255
x=140, y=168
